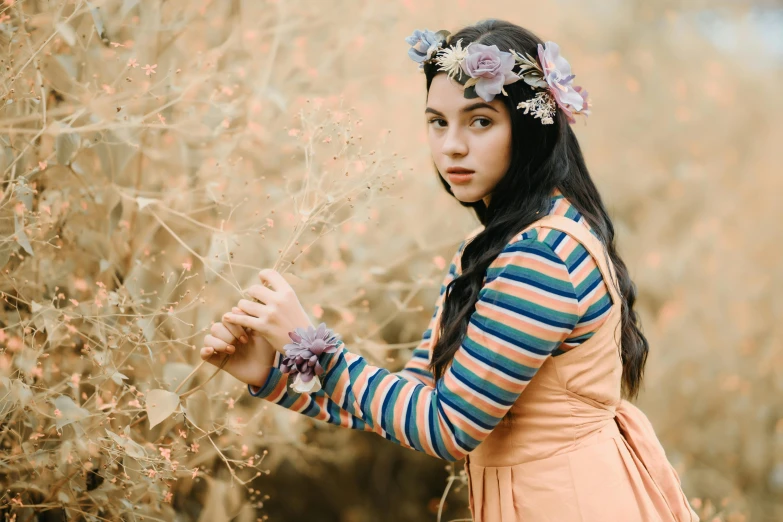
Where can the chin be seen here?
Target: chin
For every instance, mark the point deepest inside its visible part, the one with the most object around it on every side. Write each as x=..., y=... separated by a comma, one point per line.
x=467, y=196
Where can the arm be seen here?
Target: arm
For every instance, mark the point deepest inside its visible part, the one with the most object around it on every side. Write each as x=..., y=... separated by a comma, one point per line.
x=316, y=405
x=319, y=406
x=526, y=308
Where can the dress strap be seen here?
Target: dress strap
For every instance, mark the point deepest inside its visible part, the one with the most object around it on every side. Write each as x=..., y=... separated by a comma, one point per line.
x=590, y=242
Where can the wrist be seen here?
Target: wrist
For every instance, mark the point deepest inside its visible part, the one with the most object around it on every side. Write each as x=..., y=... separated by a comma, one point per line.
x=265, y=383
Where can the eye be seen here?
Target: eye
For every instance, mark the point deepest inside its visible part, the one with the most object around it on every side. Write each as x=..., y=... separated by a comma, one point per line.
x=487, y=120
x=433, y=120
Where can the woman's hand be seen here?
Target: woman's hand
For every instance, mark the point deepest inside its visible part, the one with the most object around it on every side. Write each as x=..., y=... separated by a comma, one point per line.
x=278, y=312
x=248, y=361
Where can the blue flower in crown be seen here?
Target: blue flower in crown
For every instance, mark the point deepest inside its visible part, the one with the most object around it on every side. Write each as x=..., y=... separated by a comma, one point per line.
x=424, y=44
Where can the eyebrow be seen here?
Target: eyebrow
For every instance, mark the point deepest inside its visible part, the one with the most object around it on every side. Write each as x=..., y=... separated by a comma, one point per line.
x=472, y=107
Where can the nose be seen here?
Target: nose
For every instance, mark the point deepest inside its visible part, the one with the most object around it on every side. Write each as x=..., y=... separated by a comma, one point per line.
x=454, y=142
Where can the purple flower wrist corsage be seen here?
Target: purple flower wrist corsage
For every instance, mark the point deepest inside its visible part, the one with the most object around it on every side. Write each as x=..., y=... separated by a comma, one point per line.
x=301, y=356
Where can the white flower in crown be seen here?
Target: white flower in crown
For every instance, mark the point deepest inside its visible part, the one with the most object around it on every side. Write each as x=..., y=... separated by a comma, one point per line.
x=542, y=106
x=450, y=59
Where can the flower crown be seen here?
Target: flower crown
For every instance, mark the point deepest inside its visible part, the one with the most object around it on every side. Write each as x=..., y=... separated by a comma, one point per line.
x=483, y=70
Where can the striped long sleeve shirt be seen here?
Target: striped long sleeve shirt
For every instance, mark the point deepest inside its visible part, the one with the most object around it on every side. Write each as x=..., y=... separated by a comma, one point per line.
x=542, y=296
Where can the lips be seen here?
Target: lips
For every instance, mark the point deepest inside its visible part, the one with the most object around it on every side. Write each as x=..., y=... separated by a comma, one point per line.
x=460, y=178
x=458, y=170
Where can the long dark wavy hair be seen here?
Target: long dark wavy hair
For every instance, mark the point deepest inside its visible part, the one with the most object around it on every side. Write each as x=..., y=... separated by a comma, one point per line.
x=543, y=157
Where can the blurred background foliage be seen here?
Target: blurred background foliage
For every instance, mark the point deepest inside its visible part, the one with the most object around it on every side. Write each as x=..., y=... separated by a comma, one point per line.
x=156, y=155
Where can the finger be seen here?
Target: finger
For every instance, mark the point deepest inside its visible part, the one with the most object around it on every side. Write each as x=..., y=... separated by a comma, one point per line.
x=221, y=331
x=239, y=311
x=237, y=332
x=251, y=308
x=260, y=292
x=274, y=278
x=246, y=321
x=218, y=345
x=211, y=357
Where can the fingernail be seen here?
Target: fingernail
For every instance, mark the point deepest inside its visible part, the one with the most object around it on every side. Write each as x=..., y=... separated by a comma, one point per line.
x=243, y=338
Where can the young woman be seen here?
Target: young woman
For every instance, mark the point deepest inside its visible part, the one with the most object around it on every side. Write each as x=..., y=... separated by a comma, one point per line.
x=534, y=340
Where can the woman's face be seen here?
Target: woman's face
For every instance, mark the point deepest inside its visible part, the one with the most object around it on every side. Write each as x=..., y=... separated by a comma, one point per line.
x=467, y=133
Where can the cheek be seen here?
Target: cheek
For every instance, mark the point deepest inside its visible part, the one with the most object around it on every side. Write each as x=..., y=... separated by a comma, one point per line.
x=496, y=150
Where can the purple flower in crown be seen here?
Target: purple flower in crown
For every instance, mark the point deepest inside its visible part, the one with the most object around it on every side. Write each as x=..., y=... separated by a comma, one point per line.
x=489, y=68
x=301, y=356
x=557, y=73
x=423, y=45
x=585, y=99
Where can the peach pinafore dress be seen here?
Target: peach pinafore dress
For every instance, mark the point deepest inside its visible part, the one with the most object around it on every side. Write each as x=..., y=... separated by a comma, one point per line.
x=574, y=451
